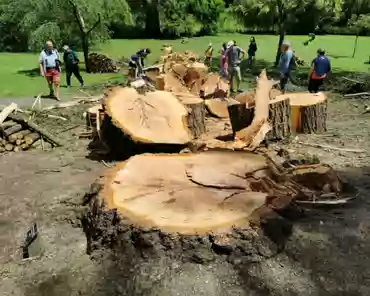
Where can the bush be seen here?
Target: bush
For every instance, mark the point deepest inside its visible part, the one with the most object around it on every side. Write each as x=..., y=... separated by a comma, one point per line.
x=229, y=23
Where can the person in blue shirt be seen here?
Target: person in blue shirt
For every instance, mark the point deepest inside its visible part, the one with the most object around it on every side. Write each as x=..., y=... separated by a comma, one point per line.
x=320, y=69
x=137, y=61
x=285, y=64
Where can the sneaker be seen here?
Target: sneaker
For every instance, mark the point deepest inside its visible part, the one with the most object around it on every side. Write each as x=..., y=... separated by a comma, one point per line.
x=231, y=90
x=240, y=91
x=82, y=85
x=68, y=86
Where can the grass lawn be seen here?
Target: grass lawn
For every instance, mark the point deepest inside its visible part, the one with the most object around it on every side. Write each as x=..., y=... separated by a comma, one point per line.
x=19, y=75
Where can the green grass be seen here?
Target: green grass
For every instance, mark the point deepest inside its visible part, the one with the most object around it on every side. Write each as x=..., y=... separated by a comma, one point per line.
x=15, y=68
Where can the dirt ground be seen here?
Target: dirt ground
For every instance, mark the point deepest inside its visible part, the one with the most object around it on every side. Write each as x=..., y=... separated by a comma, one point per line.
x=326, y=253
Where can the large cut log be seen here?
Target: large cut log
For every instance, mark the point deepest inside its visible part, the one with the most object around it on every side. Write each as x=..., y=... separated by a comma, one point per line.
x=136, y=123
x=11, y=130
x=309, y=112
x=18, y=136
x=6, y=111
x=196, y=113
x=214, y=87
x=217, y=107
x=157, y=117
x=190, y=210
x=47, y=135
x=31, y=138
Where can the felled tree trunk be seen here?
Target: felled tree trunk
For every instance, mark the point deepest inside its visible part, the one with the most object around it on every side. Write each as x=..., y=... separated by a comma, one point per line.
x=135, y=123
x=168, y=213
x=309, y=112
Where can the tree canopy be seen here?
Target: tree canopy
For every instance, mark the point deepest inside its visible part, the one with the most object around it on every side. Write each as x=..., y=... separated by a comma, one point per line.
x=26, y=24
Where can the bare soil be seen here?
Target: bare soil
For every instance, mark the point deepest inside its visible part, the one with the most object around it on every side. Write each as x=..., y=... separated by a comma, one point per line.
x=326, y=252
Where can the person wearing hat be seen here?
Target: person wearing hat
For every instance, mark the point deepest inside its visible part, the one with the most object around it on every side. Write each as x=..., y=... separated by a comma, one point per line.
x=209, y=55
x=234, y=56
x=137, y=61
x=285, y=64
x=71, y=61
x=320, y=69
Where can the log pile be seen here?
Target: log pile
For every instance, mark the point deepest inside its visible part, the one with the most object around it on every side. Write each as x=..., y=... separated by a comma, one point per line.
x=18, y=133
x=18, y=137
x=100, y=63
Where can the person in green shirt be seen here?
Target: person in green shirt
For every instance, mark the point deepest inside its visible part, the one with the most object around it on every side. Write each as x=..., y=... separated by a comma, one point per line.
x=71, y=64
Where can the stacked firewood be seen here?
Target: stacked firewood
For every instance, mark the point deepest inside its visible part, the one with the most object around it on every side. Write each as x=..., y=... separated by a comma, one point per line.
x=17, y=137
x=100, y=63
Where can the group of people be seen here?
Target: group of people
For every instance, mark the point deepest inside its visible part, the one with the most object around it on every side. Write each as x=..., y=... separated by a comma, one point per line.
x=50, y=67
x=320, y=68
x=230, y=60
x=232, y=56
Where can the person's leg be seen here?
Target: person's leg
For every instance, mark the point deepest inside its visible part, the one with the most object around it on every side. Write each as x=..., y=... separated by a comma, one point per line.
x=231, y=78
x=56, y=81
x=311, y=85
x=238, y=75
x=320, y=82
x=283, y=81
x=68, y=76
x=76, y=72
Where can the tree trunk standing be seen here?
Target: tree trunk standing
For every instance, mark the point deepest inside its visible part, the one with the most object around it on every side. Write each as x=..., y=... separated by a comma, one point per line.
x=85, y=48
x=281, y=7
x=355, y=46
x=152, y=22
x=85, y=32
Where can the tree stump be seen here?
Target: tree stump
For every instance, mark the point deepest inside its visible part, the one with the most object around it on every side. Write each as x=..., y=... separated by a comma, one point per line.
x=240, y=116
x=309, y=112
x=161, y=214
x=279, y=117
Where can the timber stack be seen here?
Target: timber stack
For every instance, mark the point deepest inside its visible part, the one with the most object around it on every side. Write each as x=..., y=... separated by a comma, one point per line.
x=18, y=133
x=100, y=63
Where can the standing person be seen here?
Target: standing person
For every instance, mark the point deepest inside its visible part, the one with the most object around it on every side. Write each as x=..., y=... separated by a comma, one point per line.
x=252, y=50
x=234, y=56
x=285, y=64
x=137, y=61
x=223, y=59
x=71, y=64
x=50, y=68
x=209, y=55
x=320, y=69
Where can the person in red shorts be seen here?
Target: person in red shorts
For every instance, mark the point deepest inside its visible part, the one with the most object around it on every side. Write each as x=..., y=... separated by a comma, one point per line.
x=50, y=68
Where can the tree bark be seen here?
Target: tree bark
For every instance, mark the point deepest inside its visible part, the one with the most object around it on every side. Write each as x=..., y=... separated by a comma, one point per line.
x=280, y=118
x=196, y=118
x=355, y=46
x=85, y=48
x=152, y=22
x=11, y=130
x=314, y=118
x=281, y=9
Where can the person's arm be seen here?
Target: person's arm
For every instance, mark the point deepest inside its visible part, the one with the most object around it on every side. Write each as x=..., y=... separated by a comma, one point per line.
x=65, y=58
x=75, y=56
x=287, y=58
x=311, y=69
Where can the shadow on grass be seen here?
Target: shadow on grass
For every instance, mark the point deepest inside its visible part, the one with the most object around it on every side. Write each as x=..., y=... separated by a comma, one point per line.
x=30, y=73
